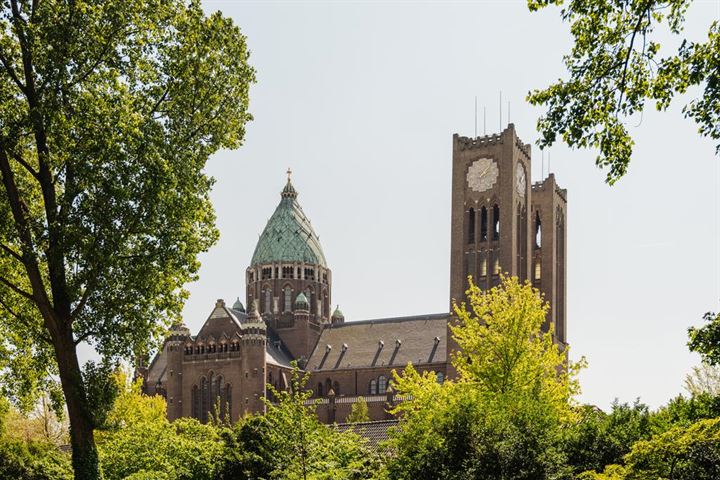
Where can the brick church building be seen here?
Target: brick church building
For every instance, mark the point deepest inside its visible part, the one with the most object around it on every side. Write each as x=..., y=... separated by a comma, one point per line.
x=500, y=223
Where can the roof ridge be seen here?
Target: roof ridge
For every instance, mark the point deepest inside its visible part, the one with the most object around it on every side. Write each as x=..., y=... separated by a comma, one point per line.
x=408, y=318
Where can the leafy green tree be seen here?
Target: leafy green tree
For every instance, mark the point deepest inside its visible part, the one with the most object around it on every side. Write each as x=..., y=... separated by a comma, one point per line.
x=249, y=452
x=139, y=441
x=682, y=411
x=109, y=110
x=503, y=416
x=26, y=450
x=305, y=449
x=599, y=439
x=682, y=453
x=33, y=460
x=289, y=442
x=616, y=67
x=358, y=412
x=706, y=339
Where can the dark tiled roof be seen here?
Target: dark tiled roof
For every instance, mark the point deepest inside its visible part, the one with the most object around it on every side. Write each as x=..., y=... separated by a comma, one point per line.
x=418, y=339
x=375, y=432
x=277, y=352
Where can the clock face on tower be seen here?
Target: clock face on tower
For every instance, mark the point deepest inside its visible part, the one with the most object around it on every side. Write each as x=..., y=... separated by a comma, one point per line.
x=482, y=174
x=520, y=180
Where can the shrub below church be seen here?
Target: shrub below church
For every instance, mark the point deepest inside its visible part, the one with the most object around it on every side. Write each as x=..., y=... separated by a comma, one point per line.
x=140, y=441
x=33, y=460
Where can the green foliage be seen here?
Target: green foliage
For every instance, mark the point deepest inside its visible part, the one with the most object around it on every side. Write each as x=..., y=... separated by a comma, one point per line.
x=110, y=110
x=306, y=449
x=249, y=452
x=358, y=412
x=706, y=339
x=289, y=442
x=599, y=439
x=102, y=389
x=628, y=442
x=615, y=68
x=140, y=441
x=681, y=453
x=506, y=356
x=682, y=411
x=33, y=460
x=503, y=416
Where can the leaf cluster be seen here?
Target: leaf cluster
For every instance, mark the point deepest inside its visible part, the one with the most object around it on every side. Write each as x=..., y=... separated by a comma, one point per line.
x=706, y=339
x=109, y=111
x=504, y=414
x=615, y=68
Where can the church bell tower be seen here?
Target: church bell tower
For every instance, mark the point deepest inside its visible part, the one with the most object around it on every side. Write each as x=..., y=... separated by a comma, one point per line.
x=490, y=222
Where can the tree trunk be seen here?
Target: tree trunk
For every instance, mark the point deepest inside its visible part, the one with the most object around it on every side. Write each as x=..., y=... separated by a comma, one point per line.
x=82, y=438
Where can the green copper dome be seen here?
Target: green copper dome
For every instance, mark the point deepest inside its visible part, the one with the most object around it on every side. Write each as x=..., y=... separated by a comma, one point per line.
x=288, y=235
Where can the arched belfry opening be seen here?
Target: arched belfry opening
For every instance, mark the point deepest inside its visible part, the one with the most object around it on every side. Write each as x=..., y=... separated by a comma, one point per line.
x=496, y=222
x=471, y=225
x=483, y=224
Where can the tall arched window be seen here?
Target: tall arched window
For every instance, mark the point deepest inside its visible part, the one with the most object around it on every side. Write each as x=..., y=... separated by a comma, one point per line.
x=538, y=269
x=483, y=264
x=471, y=225
x=373, y=387
x=336, y=387
x=203, y=400
x=328, y=385
x=309, y=295
x=538, y=230
x=221, y=397
x=483, y=224
x=268, y=300
x=195, y=403
x=382, y=384
x=496, y=222
x=522, y=242
x=228, y=400
x=288, y=298
x=320, y=389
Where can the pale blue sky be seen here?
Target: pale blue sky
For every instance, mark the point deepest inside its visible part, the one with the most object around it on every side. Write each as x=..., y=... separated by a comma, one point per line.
x=361, y=100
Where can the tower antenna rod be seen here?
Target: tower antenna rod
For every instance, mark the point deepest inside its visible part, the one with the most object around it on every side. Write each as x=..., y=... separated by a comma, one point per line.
x=508, y=111
x=484, y=120
x=475, y=115
x=501, y=110
x=542, y=170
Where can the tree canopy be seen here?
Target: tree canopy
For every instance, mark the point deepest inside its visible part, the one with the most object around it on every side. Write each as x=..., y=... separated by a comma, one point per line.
x=503, y=416
x=616, y=67
x=109, y=111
